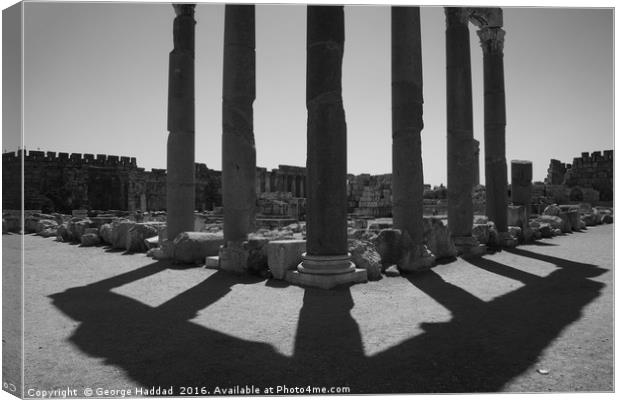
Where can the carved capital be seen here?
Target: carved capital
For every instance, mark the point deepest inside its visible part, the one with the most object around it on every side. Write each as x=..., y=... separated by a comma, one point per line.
x=184, y=9
x=486, y=17
x=456, y=16
x=491, y=40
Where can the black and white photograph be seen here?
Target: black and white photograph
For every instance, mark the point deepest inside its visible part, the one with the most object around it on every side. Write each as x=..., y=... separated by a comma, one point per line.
x=307, y=199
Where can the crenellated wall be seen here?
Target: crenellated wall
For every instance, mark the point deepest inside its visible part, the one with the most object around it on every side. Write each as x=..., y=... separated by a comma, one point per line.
x=590, y=171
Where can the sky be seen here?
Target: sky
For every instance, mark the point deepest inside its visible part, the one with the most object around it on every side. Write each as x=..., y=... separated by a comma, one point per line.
x=96, y=81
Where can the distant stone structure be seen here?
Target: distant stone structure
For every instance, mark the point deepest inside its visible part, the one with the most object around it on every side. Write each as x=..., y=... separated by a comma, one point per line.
x=589, y=172
x=61, y=182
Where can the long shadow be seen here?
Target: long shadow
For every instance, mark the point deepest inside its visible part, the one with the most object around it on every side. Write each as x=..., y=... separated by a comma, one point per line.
x=480, y=349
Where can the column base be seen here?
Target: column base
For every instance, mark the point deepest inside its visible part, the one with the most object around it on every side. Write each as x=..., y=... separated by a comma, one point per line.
x=469, y=246
x=326, y=272
x=324, y=281
x=416, y=259
x=233, y=257
x=325, y=265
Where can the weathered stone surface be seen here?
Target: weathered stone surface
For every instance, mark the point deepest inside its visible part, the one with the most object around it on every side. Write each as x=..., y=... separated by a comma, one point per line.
x=194, y=247
x=388, y=245
x=582, y=224
x=105, y=233
x=574, y=220
x=565, y=226
x=45, y=224
x=212, y=262
x=120, y=230
x=257, y=260
x=554, y=221
x=365, y=256
x=90, y=239
x=437, y=238
x=136, y=235
x=13, y=223
x=545, y=230
x=557, y=232
x=607, y=219
x=151, y=242
x=283, y=255
x=481, y=232
x=63, y=234
x=552, y=209
x=515, y=231
x=392, y=271
x=481, y=219
x=521, y=183
x=585, y=208
x=516, y=216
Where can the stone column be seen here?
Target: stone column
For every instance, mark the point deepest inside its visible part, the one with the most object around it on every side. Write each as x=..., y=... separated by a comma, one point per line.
x=238, y=152
x=180, y=192
x=476, y=162
x=460, y=129
x=326, y=262
x=496, y=176
x=407, y=123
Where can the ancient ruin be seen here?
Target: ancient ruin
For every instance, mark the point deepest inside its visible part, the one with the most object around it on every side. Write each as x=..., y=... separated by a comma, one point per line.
x=315, y=225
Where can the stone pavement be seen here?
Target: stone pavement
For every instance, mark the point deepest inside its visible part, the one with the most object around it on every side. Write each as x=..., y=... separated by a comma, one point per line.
x=99, y=318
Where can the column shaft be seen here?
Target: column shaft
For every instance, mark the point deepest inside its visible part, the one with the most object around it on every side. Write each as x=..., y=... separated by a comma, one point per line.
x=238, y=151
x=460, y=126
x=407, y=123
x=496, y=175
x=180, y=191
x=327, y=133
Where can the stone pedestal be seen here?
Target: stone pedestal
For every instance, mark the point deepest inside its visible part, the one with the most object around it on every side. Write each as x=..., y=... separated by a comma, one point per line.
x=180, y=192
x=326, y=261
x=521, y=172
x=407, y=123
x=238, y=151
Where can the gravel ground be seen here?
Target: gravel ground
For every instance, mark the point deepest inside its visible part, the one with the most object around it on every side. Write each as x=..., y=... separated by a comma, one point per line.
x=538, y=318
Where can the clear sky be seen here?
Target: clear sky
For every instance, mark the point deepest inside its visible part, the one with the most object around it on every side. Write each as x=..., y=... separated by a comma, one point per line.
x=96, y=82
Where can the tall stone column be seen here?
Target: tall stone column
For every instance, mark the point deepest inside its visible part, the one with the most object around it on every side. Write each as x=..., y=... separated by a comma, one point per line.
x=238, y=151
x=407, y=123
x=326, y=262
x=460, y=130
x=180, y=192
x=496, y=176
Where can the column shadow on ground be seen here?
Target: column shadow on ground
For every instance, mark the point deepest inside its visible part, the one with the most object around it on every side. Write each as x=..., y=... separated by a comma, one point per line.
x=484, y=345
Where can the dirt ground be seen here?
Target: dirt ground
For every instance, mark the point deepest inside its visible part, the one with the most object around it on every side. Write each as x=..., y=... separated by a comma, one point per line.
x=538, y=318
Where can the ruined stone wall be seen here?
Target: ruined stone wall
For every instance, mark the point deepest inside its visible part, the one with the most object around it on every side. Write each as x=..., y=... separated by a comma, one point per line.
x=590, y=171
x=63, y=182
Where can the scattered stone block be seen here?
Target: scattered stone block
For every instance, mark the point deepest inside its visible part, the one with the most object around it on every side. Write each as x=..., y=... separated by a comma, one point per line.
x=552, y=210
x=437, y=238
x=212, y=262
x=554, y=221
x=573, y=219
x=607, y=219
x=481, y=220
x=120, y=230
x=545, y=229
x=565, y=226
x=90, y=239
x=284, y=255
x=134, y=240
x=194, y=247
x=557, y=232
x=392, y=271
x=257, y=263
x=388, y=245
x=481, y=232
x=365, y=256
x=151, y=242
x=515, y=232
x=105, y=232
